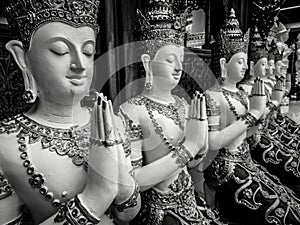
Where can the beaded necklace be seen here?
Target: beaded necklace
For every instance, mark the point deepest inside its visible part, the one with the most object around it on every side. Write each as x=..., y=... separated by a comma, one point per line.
x=232, y=108
x=174, y=111
x=158, y=129
x=73, y=142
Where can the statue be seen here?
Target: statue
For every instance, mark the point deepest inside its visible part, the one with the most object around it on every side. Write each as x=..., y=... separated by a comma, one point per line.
x=166, y=133
x=269, y=143
x=50, y=171
x=253, y=196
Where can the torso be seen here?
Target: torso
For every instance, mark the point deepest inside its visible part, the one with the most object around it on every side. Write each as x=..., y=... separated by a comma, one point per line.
x=227, y=116
x=59, y=172
x=153, y=146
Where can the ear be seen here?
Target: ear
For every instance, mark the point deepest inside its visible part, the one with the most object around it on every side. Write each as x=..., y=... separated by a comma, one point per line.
x=146, y=62
x=223, y=63
x=16, y=49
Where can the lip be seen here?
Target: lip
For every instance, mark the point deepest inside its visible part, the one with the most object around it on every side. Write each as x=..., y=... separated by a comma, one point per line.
x=176, y=76
x=77, y=80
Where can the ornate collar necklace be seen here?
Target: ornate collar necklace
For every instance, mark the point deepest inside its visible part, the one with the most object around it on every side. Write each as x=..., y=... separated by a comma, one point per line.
x=73, y=142
x=174, y=111
x=240, y=96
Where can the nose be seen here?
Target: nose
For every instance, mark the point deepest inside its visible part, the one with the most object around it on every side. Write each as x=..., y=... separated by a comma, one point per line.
x=77, y=65
x=178, y=67
x=245, y=65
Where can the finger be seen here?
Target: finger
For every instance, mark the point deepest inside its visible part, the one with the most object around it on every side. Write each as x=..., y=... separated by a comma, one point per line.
x=203, y=108
x=100, y=121
x=260, y=87
x=115, y=127
x=263, y=90
x=198, y=106
x=108, y=124
x=94, y=122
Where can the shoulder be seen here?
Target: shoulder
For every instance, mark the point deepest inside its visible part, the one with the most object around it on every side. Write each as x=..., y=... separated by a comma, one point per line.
x=8, y=129
x=213, y=102
x=133, y=107
x=213, y=94
x=10, y=125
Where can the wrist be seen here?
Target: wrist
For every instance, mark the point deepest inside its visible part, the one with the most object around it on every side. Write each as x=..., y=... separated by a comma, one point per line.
x=124, y=191
x=257, y=114
x=75, y=211
x=250, y=119
x=129, y=199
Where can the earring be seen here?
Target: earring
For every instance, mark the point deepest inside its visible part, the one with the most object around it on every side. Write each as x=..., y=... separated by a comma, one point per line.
x=251, y=72
x=149, y=80
x=223, y=74
x=28, y=96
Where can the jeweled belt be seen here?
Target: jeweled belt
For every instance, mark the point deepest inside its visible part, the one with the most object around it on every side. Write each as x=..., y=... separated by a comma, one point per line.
x=170, y=199
x=242, y=153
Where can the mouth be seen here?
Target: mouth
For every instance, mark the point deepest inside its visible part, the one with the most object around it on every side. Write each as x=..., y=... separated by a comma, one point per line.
x=77, y=80
x=176, y=76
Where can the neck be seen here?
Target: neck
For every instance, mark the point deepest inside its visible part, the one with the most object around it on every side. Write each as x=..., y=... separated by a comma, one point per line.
x=159, y=94
x=229, y=85
x=56, y=115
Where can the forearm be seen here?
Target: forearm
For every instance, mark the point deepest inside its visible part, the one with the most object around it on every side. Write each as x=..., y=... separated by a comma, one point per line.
x=154, y=173
x=129, y=213
x=220, y=139
x=94, y=207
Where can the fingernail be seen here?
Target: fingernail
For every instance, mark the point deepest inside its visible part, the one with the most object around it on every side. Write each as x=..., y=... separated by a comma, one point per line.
x=104, y=105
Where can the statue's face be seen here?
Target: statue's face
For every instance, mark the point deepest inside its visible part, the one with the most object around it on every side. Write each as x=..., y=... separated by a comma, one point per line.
x=61, y=61
x=278, y=66
x=166, y=66
x=237, y=66
x=284, y=36
x=271, y=65
x=260, y=68
x=298, y=54
x=284, y=70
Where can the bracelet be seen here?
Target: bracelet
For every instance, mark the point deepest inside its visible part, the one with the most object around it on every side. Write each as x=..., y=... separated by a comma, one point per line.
x=271, y=106
x=249, y=119
x=182, y=154
x=131, y=202
x=75, y=213
x=95, y=141
x=200, y=156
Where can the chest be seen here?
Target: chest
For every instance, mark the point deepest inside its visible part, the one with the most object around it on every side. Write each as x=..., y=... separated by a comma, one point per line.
x=233, y=106
x=40, y=177
x=161, y=127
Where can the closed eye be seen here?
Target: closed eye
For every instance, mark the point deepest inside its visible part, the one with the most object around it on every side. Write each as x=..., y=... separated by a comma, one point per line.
x=58, y=53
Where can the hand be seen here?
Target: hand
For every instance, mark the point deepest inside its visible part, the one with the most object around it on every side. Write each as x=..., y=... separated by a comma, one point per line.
x=278, y=91
x=103, y=159
x=258, y=98
x=197, y=127
x=288, y=84
x=126, y=182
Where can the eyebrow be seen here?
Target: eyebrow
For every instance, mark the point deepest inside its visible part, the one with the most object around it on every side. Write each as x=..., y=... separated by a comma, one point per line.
x=65, y=39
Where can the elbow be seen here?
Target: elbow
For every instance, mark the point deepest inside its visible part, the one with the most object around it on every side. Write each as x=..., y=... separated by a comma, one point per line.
x=130, y=213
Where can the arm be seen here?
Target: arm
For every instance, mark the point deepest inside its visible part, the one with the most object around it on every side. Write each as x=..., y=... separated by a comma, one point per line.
x=219, y=138
x=10, y=203
x=150, y=175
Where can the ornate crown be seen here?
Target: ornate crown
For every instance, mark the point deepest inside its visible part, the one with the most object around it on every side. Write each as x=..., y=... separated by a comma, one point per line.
x=231, y=39
x=278, y=28
x=159, y=26
x=258, y=47
x=26, y=16
x=273, y=53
